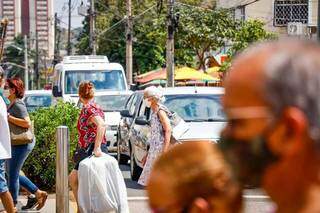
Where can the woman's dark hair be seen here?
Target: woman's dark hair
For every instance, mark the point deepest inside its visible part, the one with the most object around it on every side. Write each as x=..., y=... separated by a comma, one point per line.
x=17, y=85
x=86, y=90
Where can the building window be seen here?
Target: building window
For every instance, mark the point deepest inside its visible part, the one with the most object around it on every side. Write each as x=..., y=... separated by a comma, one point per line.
x=240, y=13
x=290, y=11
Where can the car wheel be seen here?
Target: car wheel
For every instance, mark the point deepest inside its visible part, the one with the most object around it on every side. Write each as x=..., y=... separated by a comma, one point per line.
x=135, y=170
x=122, y=159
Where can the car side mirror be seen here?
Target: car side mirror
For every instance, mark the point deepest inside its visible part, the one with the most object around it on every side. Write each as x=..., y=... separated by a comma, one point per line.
x=125, y=113
x=56, y=92
x=141, y=121
x=133, y=87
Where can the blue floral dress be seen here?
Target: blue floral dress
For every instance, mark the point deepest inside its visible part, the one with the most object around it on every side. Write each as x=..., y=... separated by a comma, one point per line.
x=156, y=142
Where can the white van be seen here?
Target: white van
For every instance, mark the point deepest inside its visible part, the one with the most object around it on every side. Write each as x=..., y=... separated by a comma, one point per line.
x=73, y=69
x=109, y=81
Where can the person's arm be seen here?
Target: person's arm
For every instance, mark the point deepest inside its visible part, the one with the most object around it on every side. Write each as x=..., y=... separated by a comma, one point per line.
x=101, y=129
x=165, y=122
x=21, y=122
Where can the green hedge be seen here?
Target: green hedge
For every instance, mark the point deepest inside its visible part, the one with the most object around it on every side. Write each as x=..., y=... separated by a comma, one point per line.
x=40, y=166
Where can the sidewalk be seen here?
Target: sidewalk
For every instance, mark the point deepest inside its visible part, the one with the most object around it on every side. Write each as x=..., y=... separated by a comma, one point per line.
x=50, y=207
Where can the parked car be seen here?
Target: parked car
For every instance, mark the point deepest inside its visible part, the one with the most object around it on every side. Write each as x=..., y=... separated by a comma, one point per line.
x=199, y=106
x=112, y=102
x=35, y=99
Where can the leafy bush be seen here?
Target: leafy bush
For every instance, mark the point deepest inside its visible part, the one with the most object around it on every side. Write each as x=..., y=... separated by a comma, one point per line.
x=40, y=166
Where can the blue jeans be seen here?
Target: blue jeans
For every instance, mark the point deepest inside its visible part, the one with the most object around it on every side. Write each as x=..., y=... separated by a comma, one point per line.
x=14, y=165
x=3, y=181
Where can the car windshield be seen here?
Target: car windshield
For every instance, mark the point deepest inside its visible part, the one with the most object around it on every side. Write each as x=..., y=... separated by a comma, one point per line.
x=112, y=102
x=102, y=80
x=37, y=101
x=196, y=107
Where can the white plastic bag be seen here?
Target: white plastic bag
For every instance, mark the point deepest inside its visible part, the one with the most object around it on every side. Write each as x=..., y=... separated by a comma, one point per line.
x=101, y=186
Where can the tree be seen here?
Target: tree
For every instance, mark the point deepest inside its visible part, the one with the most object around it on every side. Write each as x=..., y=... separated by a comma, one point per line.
x=14, y=57
x=248, y=32
x=201, y=30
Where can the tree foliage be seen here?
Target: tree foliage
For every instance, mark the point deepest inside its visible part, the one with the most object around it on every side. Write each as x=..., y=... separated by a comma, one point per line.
x=202, y=29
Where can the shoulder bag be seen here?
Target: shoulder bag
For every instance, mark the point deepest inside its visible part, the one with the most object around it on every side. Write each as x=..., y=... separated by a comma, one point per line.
x=20, y=135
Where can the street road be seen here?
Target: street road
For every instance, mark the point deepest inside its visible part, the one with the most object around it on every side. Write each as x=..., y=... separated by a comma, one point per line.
x=255, y=200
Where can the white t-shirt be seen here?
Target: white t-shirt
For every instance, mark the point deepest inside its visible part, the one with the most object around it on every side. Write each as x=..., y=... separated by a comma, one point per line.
x=5, y=144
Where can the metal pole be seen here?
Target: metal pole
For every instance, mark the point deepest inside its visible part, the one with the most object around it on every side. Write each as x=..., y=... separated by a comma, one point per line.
x=37, y=62
x=170, y=45
x=69, y=30
x=26, y=70
x=92, y=28
x=318, y=22
x=62, y=187
x=129, y=43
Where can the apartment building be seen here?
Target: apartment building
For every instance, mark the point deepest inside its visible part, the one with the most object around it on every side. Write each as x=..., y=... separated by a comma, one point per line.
x=11, y=9
x=285, y=17
x=33, y=18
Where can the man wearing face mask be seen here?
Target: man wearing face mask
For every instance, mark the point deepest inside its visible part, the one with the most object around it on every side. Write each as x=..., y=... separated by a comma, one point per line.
x=272, y=137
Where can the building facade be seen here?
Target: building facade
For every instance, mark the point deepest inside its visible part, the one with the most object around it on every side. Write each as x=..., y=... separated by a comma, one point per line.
x=33, y=18
x=284, y=17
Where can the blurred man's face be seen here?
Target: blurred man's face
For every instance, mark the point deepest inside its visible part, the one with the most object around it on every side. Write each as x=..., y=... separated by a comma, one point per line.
x=251, y=125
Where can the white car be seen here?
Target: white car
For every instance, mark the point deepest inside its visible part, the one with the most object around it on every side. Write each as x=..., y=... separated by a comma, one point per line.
x=112, y=102
x=200, y=107
x=35, y=99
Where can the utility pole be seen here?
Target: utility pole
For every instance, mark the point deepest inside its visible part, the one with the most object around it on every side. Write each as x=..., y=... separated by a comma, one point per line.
x=318, y=24
x=129, y=35
x=55, y=37
x=69, y=30
x=36, y=63
x=92, y=16
x=26, y=70
x=170, y=44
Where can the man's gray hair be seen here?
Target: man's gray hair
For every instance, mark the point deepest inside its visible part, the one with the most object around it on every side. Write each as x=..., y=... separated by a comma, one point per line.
x=293, y=79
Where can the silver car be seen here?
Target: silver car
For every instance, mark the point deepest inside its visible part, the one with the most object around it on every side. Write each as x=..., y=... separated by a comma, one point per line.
x=199, y=106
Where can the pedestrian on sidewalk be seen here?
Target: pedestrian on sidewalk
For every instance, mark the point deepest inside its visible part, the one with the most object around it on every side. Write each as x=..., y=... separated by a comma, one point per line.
x=91, y=128
x=160, y=130
x=18, y=116
x=5, y=151
x=193, y=177
x=272, y=138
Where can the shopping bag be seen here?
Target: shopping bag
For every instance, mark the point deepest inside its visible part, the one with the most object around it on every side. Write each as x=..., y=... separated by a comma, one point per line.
x=101, y=186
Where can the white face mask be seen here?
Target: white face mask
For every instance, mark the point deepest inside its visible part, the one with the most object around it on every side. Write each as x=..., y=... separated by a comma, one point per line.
x=147, y=103
x=6, y=93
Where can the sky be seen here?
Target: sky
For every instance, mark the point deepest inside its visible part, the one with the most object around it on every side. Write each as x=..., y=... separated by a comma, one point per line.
x=61, y=7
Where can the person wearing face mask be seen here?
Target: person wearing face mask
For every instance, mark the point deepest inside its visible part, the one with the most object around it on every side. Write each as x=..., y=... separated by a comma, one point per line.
x=160, y=130
x=272, y=138
x=91, y=129
x=18, y=116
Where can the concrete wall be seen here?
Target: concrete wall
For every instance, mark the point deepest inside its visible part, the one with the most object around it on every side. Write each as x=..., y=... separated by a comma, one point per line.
x=263, y=10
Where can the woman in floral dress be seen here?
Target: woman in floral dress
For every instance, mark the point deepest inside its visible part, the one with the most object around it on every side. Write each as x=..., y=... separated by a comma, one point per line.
x=160, y=130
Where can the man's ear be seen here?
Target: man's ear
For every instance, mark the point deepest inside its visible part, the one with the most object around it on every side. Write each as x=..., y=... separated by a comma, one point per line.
x=289, y=136
x=200, y=205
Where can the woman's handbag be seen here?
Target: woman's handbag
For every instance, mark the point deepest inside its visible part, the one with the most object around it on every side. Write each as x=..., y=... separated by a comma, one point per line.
x=178, y=125
x=20, y=135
